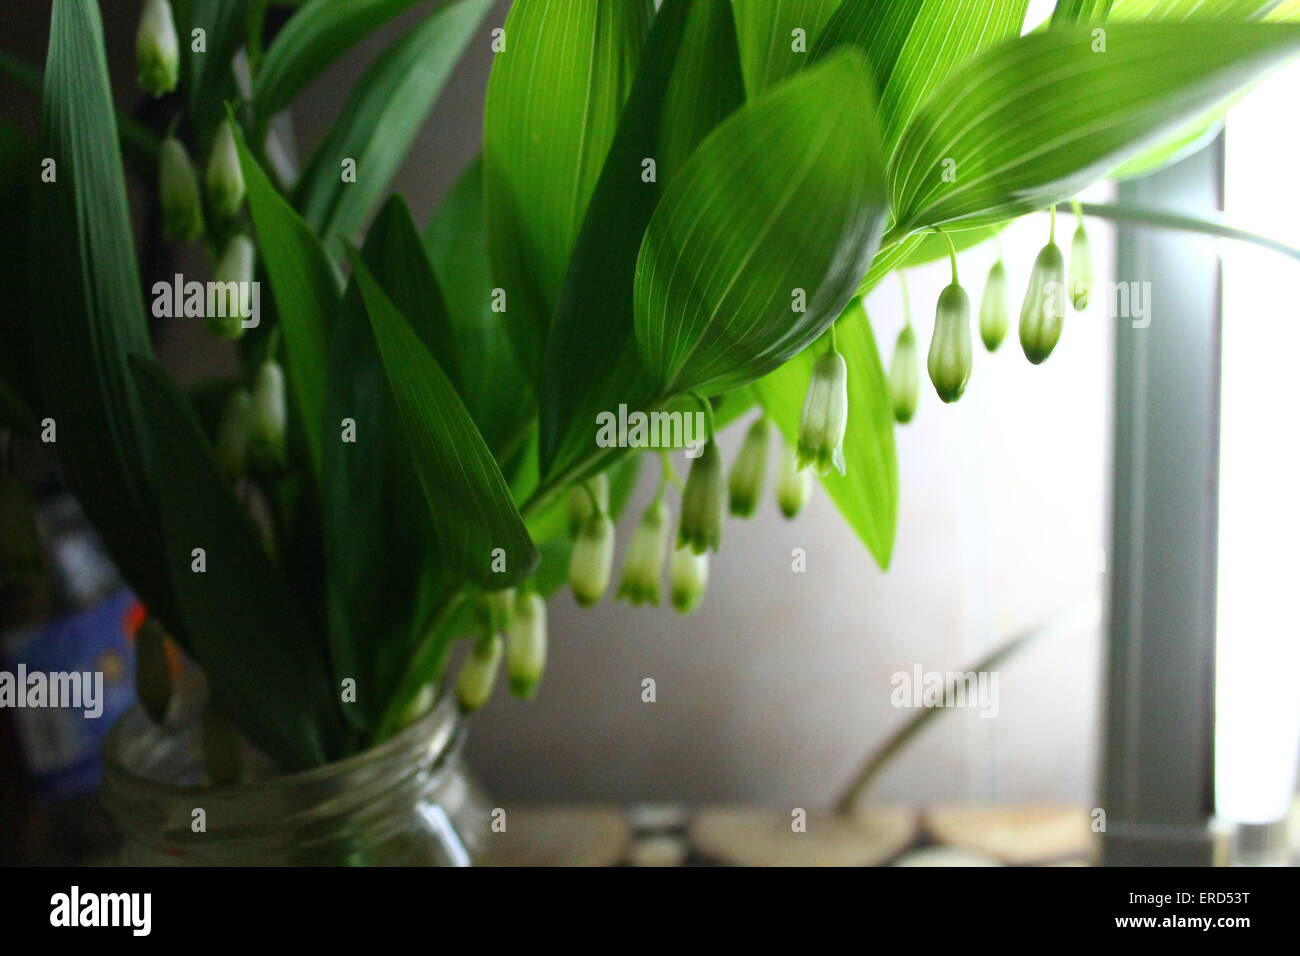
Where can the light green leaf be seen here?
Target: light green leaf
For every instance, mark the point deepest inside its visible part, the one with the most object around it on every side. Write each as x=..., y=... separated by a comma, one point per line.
x=385, y=110
x=306, y=292
x=765, y=32
x=912, y=45
x=312, y=39
x=1068, y=12
x=1233, y=10
x=689, y=80
x=781, y=207
x=867, y=492
x=253, y=641
x=553, y=104
x=92, y=312
x=480, y=531
x=1031, y=122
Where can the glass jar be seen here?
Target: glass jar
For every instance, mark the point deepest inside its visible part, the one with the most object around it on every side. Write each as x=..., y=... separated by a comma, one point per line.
x=407, y=802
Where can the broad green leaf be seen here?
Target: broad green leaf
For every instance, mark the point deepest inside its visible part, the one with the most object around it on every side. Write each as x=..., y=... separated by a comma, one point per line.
x=210, y=76
x=892, y=255
x=553, y=103
x=491, y=383
x=306, y=292
x=311, y=40
x=770, y=49
x=384, y=112
x=689, y=80
x=256, y=647
x=912, y=45
x=480, y=531
x=867, y=492
x=1031, y=122
x=1237, y=10
x=1068, y=12
x=92, y=314
x=780, y=208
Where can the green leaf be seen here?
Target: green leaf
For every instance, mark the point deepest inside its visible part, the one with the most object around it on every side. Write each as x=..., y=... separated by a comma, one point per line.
x=553, y=103
x=689, y=80
x=781, y=207
x=1080, y=11
x=491, y=383
x=306, y=292
x=469, y=502
x=312, y=39
x=765, y=32
x=92, y=312
x=912, y=45
x=1236, y=10
x=384, y=112
x=867, y=493
x=933, y=246
x=1031, y=122
x=256, y=648
x=211, y=77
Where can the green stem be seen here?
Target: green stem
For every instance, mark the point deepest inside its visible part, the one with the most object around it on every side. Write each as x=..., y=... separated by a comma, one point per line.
x=952, y=253
x=707, y=406
x=907, y=299
x=1051, y=235
x=1161, y=219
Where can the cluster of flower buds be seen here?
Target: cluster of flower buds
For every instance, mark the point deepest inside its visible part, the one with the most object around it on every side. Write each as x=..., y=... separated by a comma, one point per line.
x=511, y=624
x=157, y=48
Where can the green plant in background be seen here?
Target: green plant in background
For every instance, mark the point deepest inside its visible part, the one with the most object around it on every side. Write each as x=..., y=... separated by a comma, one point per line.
x=674, y=209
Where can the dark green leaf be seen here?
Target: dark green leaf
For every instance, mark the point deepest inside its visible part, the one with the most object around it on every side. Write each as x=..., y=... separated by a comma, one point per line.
x=780, y=207
x=257, y=650
x=469, y=502
x=689, y=80
x=769, y=48
x=867, y=493
x=553, y=104
x=306, y=292
x=211, y=78
x=385, y=110
x=1031, y=122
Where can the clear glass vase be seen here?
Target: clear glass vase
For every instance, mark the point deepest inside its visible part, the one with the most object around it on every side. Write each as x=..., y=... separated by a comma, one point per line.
x=408, y=802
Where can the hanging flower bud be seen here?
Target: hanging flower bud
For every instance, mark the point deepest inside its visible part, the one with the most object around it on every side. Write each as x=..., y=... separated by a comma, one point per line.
x=221, y=753
x=905, y=376
x=643, y=565
x=157, y=48
x=688, y=576
x=704, y=499
x=995, y=307
x=591, y=559
x=478, y=673
x=793, y=486
x=825, y=415
x=225, y=178
x=178, y=185
x=20, y=542
x=153, y=676
x=495, y=610
x=526, y=644
x=266, y=450
x=580, y=506
x=234, y=266
x=1080, y=269
x=232, y=433
x=949, y=362
x=749, y=469
x=1043, y=314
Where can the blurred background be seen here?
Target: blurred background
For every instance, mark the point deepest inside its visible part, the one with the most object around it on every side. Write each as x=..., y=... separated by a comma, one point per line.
x=779, y=687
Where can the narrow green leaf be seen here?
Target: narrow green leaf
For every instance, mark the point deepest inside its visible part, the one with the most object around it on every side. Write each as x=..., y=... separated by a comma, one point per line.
x=1033, y=121
x=312, y=39
x=1228, y=10
x=553, y=104
x=211, y=77
x=867, y=492
x=912, y=45
x=92, y=311
x=770, y=49
x=689, y=80
x=491, y=383
x=480, y=531
x=384, y=112
x=306, y=292
x=258, y=653
x=779, y=210
x=1068, y=12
